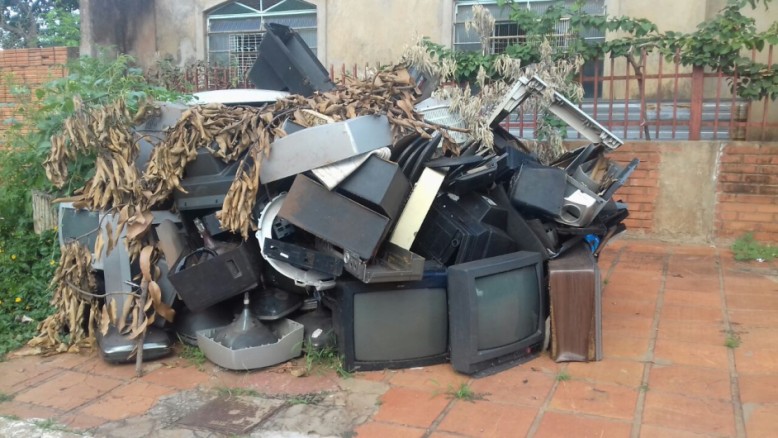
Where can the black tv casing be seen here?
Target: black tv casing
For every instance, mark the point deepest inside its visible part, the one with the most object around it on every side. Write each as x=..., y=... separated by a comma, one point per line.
x=463, y=319
x=341, y=301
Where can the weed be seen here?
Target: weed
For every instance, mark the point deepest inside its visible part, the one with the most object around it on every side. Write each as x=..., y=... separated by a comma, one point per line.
x=11, y=417
x=464, y=392
x=194, y=355
x=732, y=340
x=5, y=397
x=605, y=282
x=324, y=359
x=50, y=424
x=563, y=376
x=643, y=388
x=237, y=392
x=747, y=248
x=305, y=399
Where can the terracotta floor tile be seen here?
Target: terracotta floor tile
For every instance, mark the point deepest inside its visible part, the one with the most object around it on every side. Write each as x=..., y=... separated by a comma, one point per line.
x=80, y=421
x=432, y=378
x=486, y=419
x=687, y=413
x=749, y=301
x=613, y=401
x=543, y=363
x=621, y=347
x=756, y=360
x=627, y=307
x=130, y=400
x=638, y=327
x=685, y=353
x=757, y=338
x=177, y=377
x=691, y=282
x=373, y=376
x=445, y=435
x=761, y=421
x=269, y=382
x=750, y=319
x=27, y=410
x=518, y=386
x=124, y=371
x=691, y=313
x=620, y=372
x=68, y=390
x=695, y=252
x=691, y=381
x=698, y=332
x=385, y=430
x=23, y=373
x=749, y=283
x=692, y=298
x=557, y=424
x=653, y=431
x=410, y=407
x=69, y=360
x=755, y=388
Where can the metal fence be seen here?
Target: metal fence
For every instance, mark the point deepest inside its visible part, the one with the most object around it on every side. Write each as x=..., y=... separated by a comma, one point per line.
x=660, y=100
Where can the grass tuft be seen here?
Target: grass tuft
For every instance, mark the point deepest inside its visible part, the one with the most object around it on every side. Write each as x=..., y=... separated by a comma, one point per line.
x=319, y=359
x=732, y=341
x=194, y=355
x=563, y=376
x=747, y=248
x=5, y=397
x=464, y=392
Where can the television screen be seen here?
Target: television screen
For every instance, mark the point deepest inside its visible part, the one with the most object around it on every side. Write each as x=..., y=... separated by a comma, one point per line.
x=496, y=311
x=391, y=325
x=499, y=322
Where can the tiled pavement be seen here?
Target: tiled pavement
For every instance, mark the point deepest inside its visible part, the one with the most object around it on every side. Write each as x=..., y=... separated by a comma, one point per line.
x=690, y=343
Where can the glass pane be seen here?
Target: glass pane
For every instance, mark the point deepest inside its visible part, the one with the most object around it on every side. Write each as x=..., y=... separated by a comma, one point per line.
x=508, y=307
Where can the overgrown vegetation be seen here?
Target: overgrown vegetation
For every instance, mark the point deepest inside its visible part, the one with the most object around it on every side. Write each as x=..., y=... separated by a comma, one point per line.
x=194, y=355
x=324, y=359
x=718, y=43
x=747, y=248
x=28, y=260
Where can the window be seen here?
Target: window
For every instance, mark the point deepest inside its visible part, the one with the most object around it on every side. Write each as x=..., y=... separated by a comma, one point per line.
x=507, y=32
x=235, y=29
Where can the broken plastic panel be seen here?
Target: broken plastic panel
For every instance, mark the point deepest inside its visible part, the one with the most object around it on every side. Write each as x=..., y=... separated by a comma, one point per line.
x=118, y=348
x=560, y=107
x=333, y=174
x=419, y=203
x=289, y=346
x=437, y=111
x=324, y=144
x=580, y=205
x=286, y=63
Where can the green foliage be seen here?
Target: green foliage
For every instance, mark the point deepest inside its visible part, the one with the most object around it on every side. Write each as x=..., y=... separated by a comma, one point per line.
x=464, y=392
x=747, y=248
x=28, y=24
x=27, y=261
x=732, y=341
x=60, y=28
x=5, y=397
x=306, y=399
x=194, y=355
x=237, y=392
x=563, y=376
x=320, y=359
x=721, y=42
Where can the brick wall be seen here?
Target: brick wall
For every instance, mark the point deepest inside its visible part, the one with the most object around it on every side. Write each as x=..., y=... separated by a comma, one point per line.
x=642, y=189
x=747, y=195
x=29, y=67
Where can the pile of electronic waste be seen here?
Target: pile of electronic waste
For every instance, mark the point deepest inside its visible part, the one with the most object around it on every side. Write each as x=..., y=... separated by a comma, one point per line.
x=397, y=253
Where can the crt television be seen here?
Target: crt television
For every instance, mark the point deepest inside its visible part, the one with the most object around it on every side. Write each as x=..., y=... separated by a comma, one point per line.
x=390, y=325
x=496, y=312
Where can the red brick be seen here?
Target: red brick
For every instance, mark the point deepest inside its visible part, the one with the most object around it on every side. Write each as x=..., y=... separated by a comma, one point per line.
x=410, y=407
